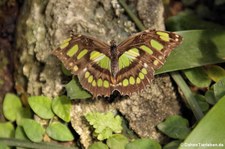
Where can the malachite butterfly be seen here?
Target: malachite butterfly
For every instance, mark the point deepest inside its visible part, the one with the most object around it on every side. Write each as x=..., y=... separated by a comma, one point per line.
x=127, y=67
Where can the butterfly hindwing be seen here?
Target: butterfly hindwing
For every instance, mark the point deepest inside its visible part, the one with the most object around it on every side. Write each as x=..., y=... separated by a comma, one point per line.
x=89, y=59
x=140, y=55
x=128, y=67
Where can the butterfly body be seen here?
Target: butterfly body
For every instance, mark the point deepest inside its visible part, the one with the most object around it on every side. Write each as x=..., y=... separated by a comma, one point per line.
x=128, y=67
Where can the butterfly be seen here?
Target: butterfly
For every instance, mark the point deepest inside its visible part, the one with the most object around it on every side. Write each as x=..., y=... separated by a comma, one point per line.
x=128, y=67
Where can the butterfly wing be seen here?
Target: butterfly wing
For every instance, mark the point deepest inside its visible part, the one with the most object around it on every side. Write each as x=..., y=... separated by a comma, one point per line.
x=89, y=59
x=139, y=57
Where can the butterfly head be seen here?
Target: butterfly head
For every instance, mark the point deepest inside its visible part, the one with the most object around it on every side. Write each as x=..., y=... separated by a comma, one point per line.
x=113, y=43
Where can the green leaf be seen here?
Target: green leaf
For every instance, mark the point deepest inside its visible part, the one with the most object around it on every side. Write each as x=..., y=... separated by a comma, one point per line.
x=210, y=97
x=65, y=71
x=20, y=134
x=11, y=106
x=219, y=89
x=199, y=48
x=197, y=77
x=188, y=2
x=210, y=129
x=104, y=124
x=117, y=141
x=202, y=102
x=23, y=113
x=41, y=105
x=175, y=127
x=172, y=145
x=75, y=91
x=219, y=2
x=59, y=132
x=3, y=146
x=215, y=72
x=187, y=20
x=143, y=144
x=61, y=106
x=7, y=130
x=33, y=130
x=98, y=145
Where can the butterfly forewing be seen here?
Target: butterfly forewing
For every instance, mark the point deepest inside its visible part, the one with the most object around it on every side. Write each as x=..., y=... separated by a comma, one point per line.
x=89, y=59
x=137, y=58
x=140, y=55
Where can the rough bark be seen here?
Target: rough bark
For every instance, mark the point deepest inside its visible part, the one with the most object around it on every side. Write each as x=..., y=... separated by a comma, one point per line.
x=41, y=27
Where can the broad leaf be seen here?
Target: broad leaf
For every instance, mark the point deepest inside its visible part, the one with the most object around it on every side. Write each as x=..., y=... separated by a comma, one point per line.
x=197, y=77
x=6, y=130
x=143, y=144
x=11, y=106
x=61, y=106
x=75, y=91
x=98, y=145
x=175, y=127
x=216, y=73
x=207, y=47
x=219, y=89
x=33, y=130
x=41, y=105
x=117, y=141
x=210, y=129
x=59, y=132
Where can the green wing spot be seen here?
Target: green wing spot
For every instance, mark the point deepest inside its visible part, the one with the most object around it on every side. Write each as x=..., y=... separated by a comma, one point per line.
x=164, y=36
x=101, y=59
x=95, y=55
x=146, y=49
x=93, y=83
x=99, y=82
x=133, y=53
x=72, y=51
x=138, y=80
x=141, y=76
x=65, y=43
x=106, y=84
x=87, y=74
x=125, y=82
x=62, y=46
x=132, y=80
x=90, y=79
x=124, y=61
x=144, y=71
x=127, y=57
x=82, y=53
x=105, y=63
x=155, y=44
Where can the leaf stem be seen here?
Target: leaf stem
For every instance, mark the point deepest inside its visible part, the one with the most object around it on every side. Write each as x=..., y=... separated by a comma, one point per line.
x=190, y=99
x=33, y=145
x=132, y=15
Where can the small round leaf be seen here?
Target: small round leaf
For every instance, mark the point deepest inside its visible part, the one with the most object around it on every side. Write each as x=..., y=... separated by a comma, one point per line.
x=98, y=145
x=143, y=144
x=41, y=105
x=117, y=141
x=59, y=132
x=6, y=130
x=61, y=106
x=33, y=130
x=175, y=127
x=11, y=106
